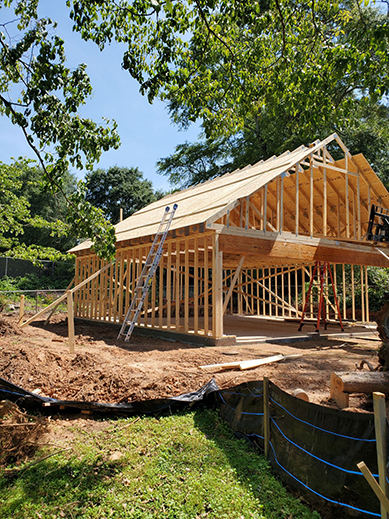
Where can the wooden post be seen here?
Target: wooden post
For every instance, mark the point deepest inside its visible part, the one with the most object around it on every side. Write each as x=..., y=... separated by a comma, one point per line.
x=347, y=208
x=266, y=416
x=186, y=286
x=325, y=202
x=160, y=292
x=196, y=286
x=217, y=289
x=311, y=198
x=206, y=286
x=297, y=202
x=177, y=285
x=352, y=293
x=70, y=321
x=380, y=435
x=359, y=208
x=281, y=204
x=21, y=309
x=362, y=293
x=367, y=295
x=375, y=487
x=233, y=283
x=344, y=291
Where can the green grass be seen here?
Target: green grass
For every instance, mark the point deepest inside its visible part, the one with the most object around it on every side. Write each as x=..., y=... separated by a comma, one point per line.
x=185, y=466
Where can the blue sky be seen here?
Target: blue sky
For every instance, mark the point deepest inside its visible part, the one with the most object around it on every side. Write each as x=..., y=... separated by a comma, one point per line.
x=145, y=130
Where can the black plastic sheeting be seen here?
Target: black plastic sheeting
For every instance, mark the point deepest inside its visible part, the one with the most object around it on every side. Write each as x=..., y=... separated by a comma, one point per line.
x=29, y=400
x=314, y=449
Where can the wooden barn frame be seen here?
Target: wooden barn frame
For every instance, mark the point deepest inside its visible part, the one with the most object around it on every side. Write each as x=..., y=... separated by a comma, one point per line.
x=244, y=243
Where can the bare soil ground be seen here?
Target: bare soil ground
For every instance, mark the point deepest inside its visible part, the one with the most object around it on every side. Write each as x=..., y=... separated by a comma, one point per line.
x=103, y=369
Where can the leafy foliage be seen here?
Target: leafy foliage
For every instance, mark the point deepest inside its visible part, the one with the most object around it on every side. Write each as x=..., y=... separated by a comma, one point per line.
x=116, y=188
x=51, y=208
x=16, y=218
x=366, y=130
x=42, y=96
x=226, y=61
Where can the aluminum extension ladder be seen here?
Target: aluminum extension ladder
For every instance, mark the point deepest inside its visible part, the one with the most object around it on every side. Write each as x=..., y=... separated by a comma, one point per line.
x=147, y=274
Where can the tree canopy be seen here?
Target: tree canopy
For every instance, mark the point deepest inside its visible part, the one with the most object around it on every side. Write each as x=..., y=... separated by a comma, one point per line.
x=42, y=96
x=27, y=218
x=119, y=188
x=258, y=75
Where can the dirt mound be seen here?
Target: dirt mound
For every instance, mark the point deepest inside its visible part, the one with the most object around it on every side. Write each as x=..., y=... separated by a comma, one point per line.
x=37, y=358
x=8, y=327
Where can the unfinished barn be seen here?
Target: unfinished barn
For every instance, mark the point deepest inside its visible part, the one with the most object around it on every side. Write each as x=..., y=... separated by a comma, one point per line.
x=248, y=243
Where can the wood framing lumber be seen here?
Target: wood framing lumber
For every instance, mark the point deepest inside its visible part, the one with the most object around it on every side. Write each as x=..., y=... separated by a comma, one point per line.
x=383, y=253
x=299, y=249
x=361, y=382
x=255, y=363
x=233, y=283
x=247, y=364
x=374, y=485
x=69, y=296
x=380, y=425
x=64, y=296
x=21, y=309
x=56, y=306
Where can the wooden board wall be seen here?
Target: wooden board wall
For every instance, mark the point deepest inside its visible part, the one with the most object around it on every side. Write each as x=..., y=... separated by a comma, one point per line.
x=185, y=295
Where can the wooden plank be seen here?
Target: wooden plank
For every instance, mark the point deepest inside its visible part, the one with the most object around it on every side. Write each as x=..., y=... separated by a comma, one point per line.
x=186, y=287
x=325, y=202
x=110, y=292
x=347, y=207
x=161, y=268
x=311, y=198
x=255, y=363
x=169, y=286
x=233, y=283
x=21, y=308
x=177, y=284
x=352, y=293
x=206, y=287
x=196, y=286
x=361, y=270
x=69, y=296
x=246, y=364
x=380, y=424
x=376, y=489
x=297, y=196
x=359, y=227
x=282, y=208
x=21, y=313
x=367, y=295
x=217, y=292
x=298, y=251
x=344, y=291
